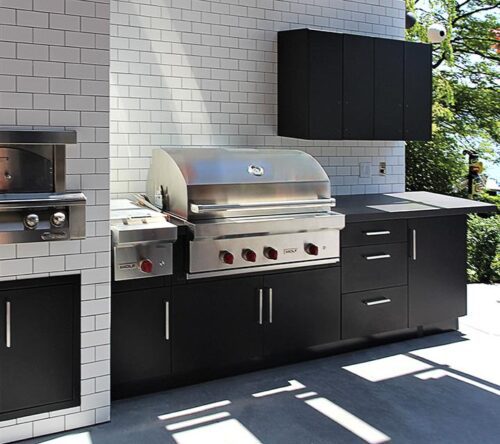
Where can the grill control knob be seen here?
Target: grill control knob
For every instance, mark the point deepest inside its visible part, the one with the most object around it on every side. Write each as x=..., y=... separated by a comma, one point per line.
x=271, y=253
x=58, y=219
x=227, y=257
x=146, y=266
x=31, y=221
x=312, y=249
x=249, y=255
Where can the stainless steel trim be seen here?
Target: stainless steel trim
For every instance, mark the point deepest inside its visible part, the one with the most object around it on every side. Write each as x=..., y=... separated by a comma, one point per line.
x=270, y=305
x=167, y=321
x=377, y=256
x=37, y=137
x=261, y=300
x=308, y=203
x=8, y=333
x=377, y=301
x=414, y=244
x=11, y=201
x=377, y=233
x=285, y=266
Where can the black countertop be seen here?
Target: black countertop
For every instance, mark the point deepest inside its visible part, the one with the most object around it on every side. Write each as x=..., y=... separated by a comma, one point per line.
x=361, y=207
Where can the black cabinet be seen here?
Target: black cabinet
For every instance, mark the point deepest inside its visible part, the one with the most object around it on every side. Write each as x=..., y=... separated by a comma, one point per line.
x=140, y=337
x=342, y=86
x=40, y=346
x=302, y=311
x=436, y=273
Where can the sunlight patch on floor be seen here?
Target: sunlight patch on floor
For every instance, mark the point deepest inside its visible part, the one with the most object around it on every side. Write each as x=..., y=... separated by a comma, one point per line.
x=74, y=438
x=439, y=373
x=201, y=408
x=294, y=385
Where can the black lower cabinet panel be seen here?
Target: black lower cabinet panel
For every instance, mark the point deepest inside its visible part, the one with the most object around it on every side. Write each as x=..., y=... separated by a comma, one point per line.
x=215, y=325
x=303, y=313
x=40, y=346
x=140, y=338
x=376, y=311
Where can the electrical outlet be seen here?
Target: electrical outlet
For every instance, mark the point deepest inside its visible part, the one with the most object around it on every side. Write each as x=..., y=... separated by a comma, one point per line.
x=365, y=169
x=382, y=168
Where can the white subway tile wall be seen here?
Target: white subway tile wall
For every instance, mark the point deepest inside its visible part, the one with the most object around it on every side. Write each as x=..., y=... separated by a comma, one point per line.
x=54, y=71
x=203, y=73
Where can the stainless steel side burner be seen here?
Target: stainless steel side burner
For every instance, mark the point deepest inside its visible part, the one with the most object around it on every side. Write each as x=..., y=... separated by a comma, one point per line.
x=34, y=203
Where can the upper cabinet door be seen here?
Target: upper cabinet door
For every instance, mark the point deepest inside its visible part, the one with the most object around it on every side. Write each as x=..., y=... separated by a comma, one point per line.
x=358, y=87
x=325, y=85
x=389, y=89
x=418, y=91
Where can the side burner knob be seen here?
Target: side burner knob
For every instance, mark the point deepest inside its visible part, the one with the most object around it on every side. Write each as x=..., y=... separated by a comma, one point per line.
x=271, y=253
x=146, y=266
x=227, y=257
x=31, y=221
x=312, y=249
x=249, y=255
x=58, y=219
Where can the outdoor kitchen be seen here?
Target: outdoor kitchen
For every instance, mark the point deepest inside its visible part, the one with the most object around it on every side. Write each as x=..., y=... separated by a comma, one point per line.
x=206, y=233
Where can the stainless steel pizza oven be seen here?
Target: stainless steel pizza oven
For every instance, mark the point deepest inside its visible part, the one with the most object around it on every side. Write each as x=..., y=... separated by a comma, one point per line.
x=34, y=203
x=247, y=209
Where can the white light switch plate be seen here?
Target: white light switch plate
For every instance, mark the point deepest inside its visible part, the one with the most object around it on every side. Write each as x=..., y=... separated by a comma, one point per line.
x=365, y=169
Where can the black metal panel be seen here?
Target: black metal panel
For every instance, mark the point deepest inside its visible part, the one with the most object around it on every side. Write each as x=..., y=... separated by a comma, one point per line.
x=325, y=85
x=389, y=89
x=373, y=232
x=358, y=87
x=44, y=137
x=375, y=311
x=40, y=371
x=418, y=91
x=437, y=272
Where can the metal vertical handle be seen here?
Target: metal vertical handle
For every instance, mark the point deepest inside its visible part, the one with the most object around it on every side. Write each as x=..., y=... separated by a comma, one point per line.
x=270, y=305
x=414, y=244
x=167, y=321
x=261, y=301
x=8, y=335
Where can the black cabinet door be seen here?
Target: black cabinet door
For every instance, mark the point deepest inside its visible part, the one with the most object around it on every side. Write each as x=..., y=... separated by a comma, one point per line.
x=325, y=85
x=437, y=275
x=39, y=350
x=215, y=325
x=389, y=89
x=418, y=91
x=140, y=339
x=358, y=87
x=302, y=310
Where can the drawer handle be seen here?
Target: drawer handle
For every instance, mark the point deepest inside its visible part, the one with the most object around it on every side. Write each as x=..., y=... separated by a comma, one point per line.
x=8, y=333
x=261, y=296
x=377, y=233
x=377, y=256
x=377, y=301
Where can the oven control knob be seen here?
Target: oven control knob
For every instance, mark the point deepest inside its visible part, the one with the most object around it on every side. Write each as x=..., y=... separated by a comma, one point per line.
x=58, y=219
x=271, y=253
x=227, y=257
x=249, y=255
x=146, y=266
x=31, y=221
x=312, y=249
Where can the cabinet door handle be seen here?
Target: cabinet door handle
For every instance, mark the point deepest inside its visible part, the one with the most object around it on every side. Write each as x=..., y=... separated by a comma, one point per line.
x=8, y=334
x=377, y=256
x=377, y=301
x=270, y=305
x=261, y=302
x=414, y=244
x=167, y=321
x=377, y=233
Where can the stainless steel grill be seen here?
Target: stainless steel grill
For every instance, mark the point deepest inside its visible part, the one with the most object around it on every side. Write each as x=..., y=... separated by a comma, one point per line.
x=247, y=209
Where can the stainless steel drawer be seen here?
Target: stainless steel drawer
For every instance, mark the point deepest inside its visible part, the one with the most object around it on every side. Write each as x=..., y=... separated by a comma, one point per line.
x=369, y=312
x=373, y=232
x=374, y=266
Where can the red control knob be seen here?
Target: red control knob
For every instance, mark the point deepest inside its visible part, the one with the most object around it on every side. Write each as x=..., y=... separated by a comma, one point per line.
x=227, y=257
x=146, y=266
x=271, y=253
x=312, y=249
x=249, y=255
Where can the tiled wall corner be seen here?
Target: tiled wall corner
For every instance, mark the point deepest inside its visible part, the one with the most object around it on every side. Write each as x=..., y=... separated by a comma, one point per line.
x=203, y=73
x=54, y=72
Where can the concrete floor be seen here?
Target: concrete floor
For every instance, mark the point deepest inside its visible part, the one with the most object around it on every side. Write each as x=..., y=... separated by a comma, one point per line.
x=439, y=389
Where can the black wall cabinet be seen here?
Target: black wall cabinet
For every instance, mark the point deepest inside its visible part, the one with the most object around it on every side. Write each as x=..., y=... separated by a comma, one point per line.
x=39, y=346
x=342, y=86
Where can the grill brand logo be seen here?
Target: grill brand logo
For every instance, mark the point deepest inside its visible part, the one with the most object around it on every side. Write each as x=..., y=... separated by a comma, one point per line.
x=127, y=266
x=289, y=251
x=255, y=170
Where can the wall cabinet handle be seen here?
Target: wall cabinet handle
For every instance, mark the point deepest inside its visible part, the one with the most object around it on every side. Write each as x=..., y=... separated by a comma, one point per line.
x=377, y=301
x=167, y=321
x=261, y=302
x=270, y=305
x=414, y=244
x=377, y=233
x=8, y=333
x=377, y=256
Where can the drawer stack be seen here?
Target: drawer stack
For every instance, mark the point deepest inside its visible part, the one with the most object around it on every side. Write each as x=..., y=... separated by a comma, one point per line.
x=374, y=278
